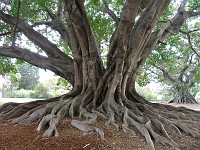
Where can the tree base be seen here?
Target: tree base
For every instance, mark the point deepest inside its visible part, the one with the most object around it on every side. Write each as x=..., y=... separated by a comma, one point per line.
x=184, y=100
x=149, y=119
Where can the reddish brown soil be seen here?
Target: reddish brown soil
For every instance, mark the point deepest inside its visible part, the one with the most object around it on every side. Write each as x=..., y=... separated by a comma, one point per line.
x=17, y=137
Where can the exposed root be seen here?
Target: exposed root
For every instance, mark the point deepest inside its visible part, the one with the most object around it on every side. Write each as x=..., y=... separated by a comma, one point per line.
x=8, y=107
x=51, y=121
x=158, y=138
x=128, y=121
x=149, y=119
x=193, y=132
x=27, y=115
x=86, y=128
x=36, y=115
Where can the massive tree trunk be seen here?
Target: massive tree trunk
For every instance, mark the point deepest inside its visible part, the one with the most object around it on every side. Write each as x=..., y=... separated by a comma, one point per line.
x=109, y=92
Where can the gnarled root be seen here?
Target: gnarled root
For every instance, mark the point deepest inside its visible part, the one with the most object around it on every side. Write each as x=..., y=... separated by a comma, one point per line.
x=86, y=128
x=149, y=119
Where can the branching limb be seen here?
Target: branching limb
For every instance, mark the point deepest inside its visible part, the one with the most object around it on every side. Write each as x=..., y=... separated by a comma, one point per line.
x=193, y=14
x=34, y=25
x=165, y=74
x=171, y=27
x=111, y=13
x=49, y=48
x=189, y=40
x=124, y=28
x=41, y=61
x=187, y=63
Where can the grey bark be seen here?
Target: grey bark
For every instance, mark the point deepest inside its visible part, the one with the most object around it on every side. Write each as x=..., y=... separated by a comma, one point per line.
x=100, y=93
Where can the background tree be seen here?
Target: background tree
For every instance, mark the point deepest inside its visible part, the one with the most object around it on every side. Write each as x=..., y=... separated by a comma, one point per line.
x=8, y=72
x=82, y=29
x=177, y=65
x=29, y=76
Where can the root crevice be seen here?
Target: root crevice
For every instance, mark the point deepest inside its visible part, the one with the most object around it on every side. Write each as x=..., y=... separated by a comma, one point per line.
x=150, y=120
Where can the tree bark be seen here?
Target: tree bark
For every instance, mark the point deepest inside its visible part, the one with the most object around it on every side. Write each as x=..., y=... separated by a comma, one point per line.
x=100, y=92
x=61, y=67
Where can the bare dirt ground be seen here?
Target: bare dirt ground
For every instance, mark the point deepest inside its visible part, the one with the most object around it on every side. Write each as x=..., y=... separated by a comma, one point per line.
x=18, y=137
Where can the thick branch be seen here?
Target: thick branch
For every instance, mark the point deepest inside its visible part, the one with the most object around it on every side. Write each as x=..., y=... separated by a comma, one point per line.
x=190, y=76
x=34, y=25
x=57, y=24
x=193, y=14
x=50, y=49
x=143, y=30
x=166, y=74
x=189, y=40
x=141, y=37
x=110, y=12
x=80, y=23
x=171, y=27
x=59, y=67
x=123, y=31
x=185, y=67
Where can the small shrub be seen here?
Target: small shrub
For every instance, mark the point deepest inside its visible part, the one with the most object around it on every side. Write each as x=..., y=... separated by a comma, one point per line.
x=18, y=94
x=40, y=91
x=150, y=96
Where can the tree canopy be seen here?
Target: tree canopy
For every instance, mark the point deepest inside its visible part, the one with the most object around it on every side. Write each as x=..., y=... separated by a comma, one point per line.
x=176, y=63
x=98, y=47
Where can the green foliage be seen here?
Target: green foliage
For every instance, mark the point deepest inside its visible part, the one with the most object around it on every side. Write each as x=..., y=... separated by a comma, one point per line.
x=195, y=90
x=29, y=76
x=18, y=94
x=150, y=96
x=145, y=92
x=10, y=84
x=64, y=83
x=143, y=79
x=173, y=58
x=32, y=10
x=40, y=91
x=7, y=67
x=101, y=23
